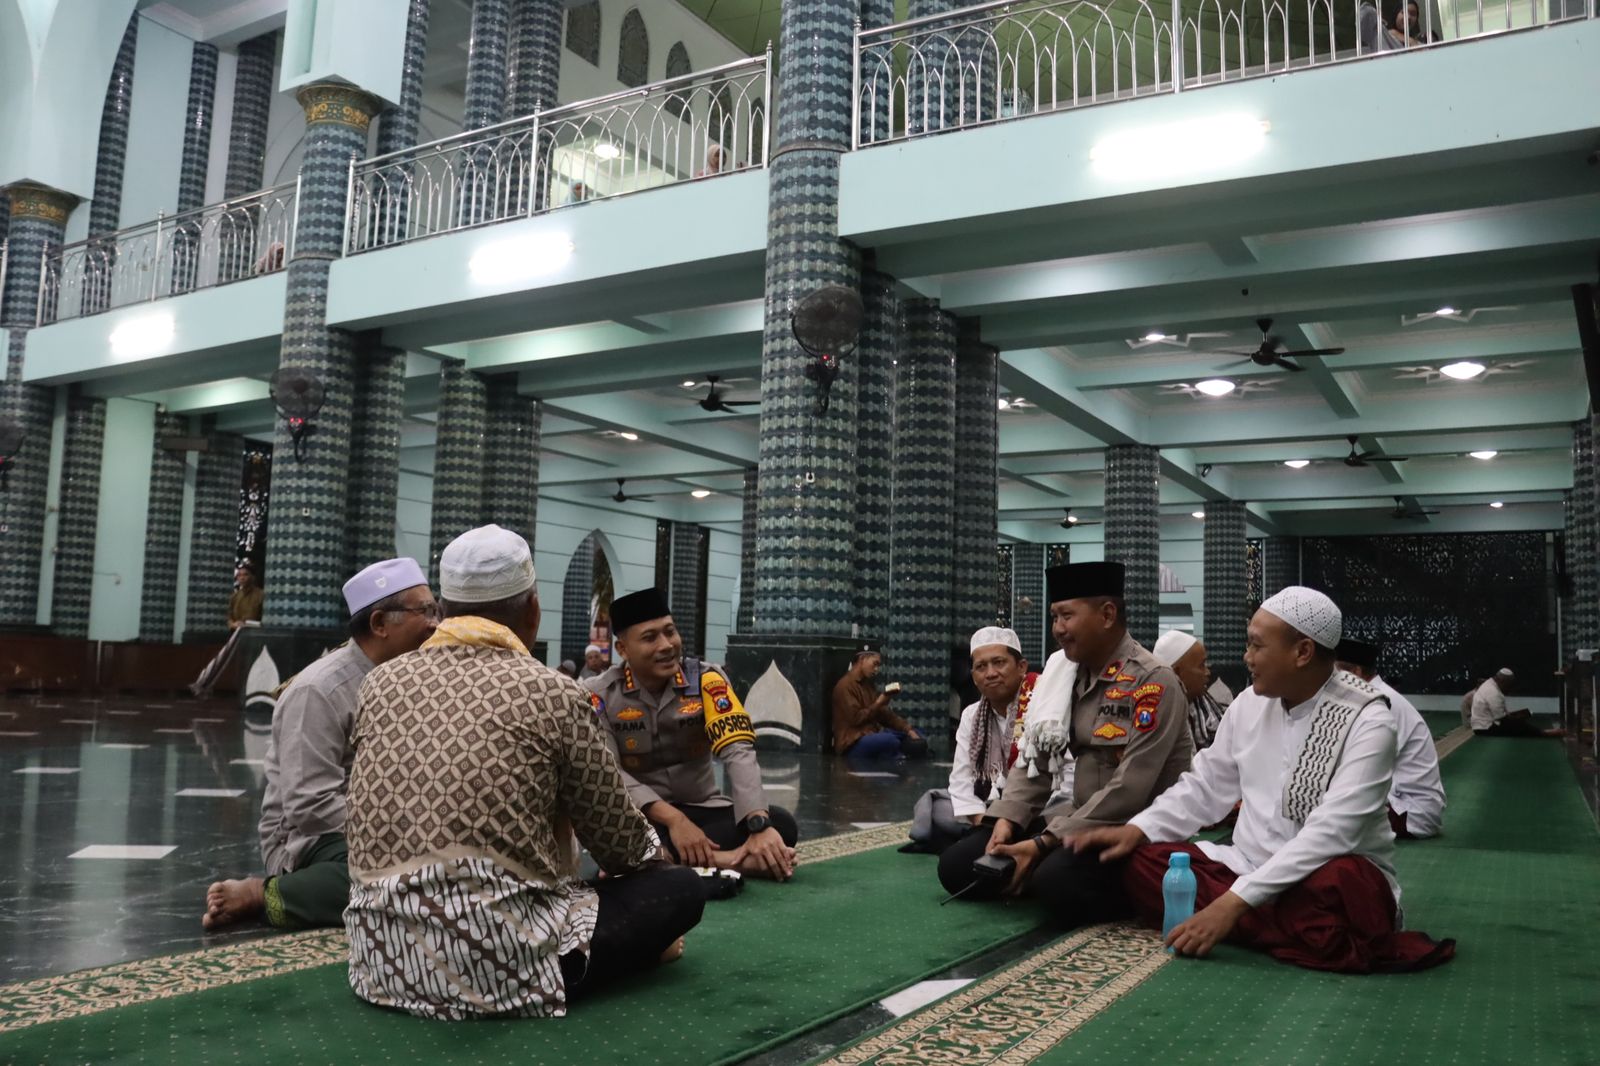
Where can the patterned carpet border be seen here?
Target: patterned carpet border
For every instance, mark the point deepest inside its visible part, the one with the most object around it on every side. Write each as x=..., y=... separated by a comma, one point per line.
x=50, y=999
x=1024, y=1010
x=1452, y=740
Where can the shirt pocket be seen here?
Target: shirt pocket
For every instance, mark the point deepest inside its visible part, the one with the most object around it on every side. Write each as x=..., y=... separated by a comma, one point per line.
x=690, y=729
x=1109, y=734
x=635, y=742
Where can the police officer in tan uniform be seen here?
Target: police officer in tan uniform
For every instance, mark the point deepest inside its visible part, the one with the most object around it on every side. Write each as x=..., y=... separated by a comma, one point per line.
x=668, y=716
x=1130, y=741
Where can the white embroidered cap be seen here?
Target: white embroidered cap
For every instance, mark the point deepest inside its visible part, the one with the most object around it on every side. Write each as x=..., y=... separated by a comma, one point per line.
x=996, y=635
x=1309, y=611
x=380, y=580
x=485, y=564
x=1173, y=645
x=594, y=648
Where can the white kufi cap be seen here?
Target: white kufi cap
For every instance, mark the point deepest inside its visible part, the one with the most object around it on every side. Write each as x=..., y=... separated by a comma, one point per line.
x=1173, y=645
x=1309, y=611
x=593, y=648
x=996, y=635
x=485, y=564
x=381, y=580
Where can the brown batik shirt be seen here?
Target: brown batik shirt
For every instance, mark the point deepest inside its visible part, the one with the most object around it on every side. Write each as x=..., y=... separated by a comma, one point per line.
x=474, y=765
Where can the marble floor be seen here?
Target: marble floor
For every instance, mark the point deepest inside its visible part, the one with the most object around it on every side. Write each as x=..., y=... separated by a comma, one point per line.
x=116, y=814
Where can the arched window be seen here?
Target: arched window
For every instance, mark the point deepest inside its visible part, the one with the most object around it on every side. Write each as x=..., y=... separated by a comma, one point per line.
x=633, y=58
x=583, y=31
x=677, y=66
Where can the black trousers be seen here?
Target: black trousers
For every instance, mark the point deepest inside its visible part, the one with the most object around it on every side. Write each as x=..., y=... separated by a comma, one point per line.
x=718, y=824
x=1076, y=889
x=640, y=915
x=1511, y=727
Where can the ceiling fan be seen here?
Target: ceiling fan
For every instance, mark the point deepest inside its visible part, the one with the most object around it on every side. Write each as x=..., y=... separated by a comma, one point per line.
x=1361, y=458
x=1270, y=352
x=1068, y=522
x=713, y=400
x=622, y=497
x=1418, y=513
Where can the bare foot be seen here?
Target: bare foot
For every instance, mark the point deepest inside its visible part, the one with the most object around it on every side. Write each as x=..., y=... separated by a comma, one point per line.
x=674, y=951
x=228, y=902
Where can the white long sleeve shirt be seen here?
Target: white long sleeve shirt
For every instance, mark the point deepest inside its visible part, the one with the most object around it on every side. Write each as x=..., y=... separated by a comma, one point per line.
x=1488, y=705
x=1250, y=761
x=1418, y=791
x=964, y=801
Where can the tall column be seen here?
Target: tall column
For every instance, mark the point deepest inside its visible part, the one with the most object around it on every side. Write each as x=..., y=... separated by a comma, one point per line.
x=309, y=503
x=977, y=448
x=924, y=504
x=1226, y=599
x=192, y=165
x=106, y=208
x=214, y=536
x=511, y=459
x=458, y=459
x=877, y=115
x=1282, y=567
x=486, y=64
x=158, y=601
x=577, y=594
x=683, y=592
x=38, y=220
x=1587, y=614
x=380, y=393
x=749, y=497
x=535, y=66
x=875, y=367
x=1030, y=609
x=1133, y=533
x=252, y=102
x=397, y=127
x=79, y=518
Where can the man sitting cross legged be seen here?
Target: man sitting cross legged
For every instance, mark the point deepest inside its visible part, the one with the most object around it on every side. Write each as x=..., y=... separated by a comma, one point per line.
x=1309, y=750
x=303, y=812
x=1416, y=802
x=476, y=767
x=668, y=715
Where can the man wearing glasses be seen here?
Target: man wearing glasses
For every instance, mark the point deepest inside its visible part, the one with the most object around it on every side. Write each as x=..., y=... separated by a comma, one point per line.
x=392, y=611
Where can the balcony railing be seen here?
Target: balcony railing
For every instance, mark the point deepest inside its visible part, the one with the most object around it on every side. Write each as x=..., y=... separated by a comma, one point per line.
x=212, y=245
x=1006, y=60
x=696, y=126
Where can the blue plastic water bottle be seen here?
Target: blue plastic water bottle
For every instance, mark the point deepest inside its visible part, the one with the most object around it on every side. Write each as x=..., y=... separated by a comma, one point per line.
x=1177, y=890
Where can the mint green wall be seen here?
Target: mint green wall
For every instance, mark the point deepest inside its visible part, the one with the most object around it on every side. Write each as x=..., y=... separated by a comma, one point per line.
x=155, y=123
x=318, y=38
x=124, y=504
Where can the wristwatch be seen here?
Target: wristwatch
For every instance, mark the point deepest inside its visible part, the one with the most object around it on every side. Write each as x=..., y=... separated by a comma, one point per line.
x=756, y=823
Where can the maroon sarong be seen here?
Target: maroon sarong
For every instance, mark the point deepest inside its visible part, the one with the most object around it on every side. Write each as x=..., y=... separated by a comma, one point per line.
x=1341, y=918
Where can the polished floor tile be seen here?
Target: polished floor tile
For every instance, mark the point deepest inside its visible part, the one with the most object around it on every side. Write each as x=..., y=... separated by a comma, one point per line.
x=124, y=851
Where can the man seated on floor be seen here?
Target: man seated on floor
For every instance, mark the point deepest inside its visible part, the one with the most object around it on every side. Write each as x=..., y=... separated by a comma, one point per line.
x=1309, y=751
x=1416, y=802
x=990, y=729
x=475, y=768
x=392, y=611
x=863, y=725
x=1187, y=657
x=668, y=715
x=1121, y=715
x=1490, y=717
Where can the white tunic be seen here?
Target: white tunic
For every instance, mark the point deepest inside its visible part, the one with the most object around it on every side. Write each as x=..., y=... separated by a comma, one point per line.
x=1418, y=792
x=1250, y=760
x=1488, y=705
x=964, y=801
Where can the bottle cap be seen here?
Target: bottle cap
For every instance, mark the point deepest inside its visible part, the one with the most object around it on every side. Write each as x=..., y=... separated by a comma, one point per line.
x=1178, y=860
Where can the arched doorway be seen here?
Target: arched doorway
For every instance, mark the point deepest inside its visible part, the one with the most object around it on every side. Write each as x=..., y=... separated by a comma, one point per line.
x=586, y=597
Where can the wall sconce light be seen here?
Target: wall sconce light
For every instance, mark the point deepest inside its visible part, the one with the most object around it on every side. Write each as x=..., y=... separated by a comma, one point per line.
x=827, y=324
x=298, y=395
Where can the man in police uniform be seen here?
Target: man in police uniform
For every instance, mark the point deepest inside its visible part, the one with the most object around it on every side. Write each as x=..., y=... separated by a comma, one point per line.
x=1129, y=739
x=668, y=716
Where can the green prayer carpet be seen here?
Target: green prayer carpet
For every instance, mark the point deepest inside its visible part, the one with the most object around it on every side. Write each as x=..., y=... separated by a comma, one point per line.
x=1513, y=879
x=760, y=969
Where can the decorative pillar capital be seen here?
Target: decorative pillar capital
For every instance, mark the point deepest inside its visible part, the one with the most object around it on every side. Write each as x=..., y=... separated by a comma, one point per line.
x=335, y=103
x=30, y=200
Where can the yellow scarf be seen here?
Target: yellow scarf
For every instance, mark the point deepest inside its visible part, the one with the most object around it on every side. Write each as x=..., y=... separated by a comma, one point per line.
x=470, y=631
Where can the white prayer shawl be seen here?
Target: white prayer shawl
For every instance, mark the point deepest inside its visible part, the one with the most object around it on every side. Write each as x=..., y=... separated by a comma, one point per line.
x=1047, y=730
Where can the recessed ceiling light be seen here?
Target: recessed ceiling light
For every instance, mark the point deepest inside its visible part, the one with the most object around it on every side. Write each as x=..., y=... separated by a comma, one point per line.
x=1446, y=311
x=1215, y=386
x=1463, y=371
x=688, y=384
x=607, y=150
x=1155, y=335
x=700, y=494
x=1497, y=505
x=1297, y=464
x=1483, y=454
x=1199, y=514
x=628, y=436
x=1003, y=403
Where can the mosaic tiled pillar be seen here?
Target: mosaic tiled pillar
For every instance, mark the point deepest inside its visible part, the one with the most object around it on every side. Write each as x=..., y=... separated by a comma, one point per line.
x=1226, y=599
x=214, y=534
x=1133, y=533
x=380, y=393
x=535, y=66
x=158, y=600
x=683, y=593
x=1030, y=612
x=1569, y=641
x=106, y=208
x=192, y=165
x=397, y=127
x=85, y=438
x=252, y=101
x=977, y=447
x=924, y=506
x=486, y=64
x=458, y=459
x=875, y=358
x=306, y=542
x=877, y=114
x=923, y=93
x=750, y=499
x=577, y=593
x=511, y=459
x=1283, y=565
x=38, y=220
x=1586, y=614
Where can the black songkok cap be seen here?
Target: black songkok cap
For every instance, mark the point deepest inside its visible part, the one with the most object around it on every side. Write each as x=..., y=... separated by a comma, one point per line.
x=1359, y=652
x=1079, y=581
x=646, y=605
